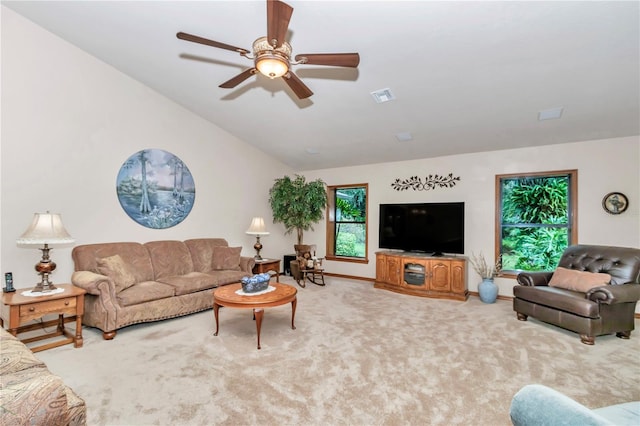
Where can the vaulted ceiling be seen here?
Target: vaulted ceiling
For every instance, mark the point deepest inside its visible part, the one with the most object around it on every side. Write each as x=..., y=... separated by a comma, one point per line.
x=466, y=76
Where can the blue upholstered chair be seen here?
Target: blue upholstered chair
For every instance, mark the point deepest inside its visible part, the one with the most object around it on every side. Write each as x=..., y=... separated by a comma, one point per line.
x=539, y=405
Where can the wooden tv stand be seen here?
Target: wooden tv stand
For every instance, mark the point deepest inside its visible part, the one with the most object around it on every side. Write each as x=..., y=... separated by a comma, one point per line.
x=441, y=277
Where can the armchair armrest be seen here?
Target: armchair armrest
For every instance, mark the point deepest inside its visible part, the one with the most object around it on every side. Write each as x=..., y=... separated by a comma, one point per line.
x=541, y=405
x=532, y=279
x=611, y=294
x=90, y=281
x=247, y=263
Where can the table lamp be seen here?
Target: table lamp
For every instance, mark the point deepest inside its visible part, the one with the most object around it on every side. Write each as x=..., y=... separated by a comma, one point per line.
x=257, y=228
x=46, y=228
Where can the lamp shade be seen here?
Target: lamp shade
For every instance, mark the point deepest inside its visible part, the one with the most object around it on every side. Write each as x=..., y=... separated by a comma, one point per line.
x=257, y=227
x=46, y=228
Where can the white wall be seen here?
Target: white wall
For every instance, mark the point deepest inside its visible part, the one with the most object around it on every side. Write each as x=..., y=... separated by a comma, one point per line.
x=603, y=166
x=69, y=121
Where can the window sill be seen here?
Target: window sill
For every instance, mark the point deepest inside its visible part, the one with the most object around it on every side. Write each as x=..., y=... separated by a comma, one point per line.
x=347, y=259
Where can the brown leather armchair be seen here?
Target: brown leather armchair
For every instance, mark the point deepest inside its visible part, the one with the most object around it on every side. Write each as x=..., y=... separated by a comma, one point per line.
x=603, y=309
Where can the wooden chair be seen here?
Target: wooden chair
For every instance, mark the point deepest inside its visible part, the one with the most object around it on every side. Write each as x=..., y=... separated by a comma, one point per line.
x=307, y=265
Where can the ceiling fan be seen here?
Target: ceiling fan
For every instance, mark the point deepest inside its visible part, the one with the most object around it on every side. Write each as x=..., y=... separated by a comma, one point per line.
x=272, y=54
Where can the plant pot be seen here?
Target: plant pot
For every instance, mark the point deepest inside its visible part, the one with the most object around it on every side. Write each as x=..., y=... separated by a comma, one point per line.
x=488, y=290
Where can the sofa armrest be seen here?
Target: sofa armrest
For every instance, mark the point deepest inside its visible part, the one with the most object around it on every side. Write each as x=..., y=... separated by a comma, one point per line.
x=532, y=279
x=247, y=263
x=90, y=281
x=611, y=294
x=541, y=405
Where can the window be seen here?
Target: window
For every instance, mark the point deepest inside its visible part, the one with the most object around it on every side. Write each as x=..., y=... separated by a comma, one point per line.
x=347, y=222
x=536, y=219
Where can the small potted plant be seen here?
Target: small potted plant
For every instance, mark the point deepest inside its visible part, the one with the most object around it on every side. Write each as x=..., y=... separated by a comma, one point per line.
x=487, y=289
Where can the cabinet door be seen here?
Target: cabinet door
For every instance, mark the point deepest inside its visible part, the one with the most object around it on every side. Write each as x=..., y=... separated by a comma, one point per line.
x=458, y=278
x=381, y=268
x=393, y=275
x=440, y=275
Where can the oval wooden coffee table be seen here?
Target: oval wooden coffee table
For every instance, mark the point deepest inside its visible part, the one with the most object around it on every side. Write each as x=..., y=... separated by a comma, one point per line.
x=226, y=296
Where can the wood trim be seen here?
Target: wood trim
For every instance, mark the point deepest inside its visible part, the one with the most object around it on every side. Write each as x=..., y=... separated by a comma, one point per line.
x=350, y=277
x=500, y=297
x=330, y=228
x=347, y=259
x=43, y=324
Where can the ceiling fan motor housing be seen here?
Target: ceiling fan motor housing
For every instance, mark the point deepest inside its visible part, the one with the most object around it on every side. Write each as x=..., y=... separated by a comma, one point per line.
x=270, y=61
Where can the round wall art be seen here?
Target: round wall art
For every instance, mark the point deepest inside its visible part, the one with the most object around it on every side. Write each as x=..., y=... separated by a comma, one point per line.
x=615, y=202
x=155, y=188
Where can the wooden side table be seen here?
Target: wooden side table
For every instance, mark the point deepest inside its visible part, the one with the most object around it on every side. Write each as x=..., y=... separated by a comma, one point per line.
x=266, y=265
x=17, y=309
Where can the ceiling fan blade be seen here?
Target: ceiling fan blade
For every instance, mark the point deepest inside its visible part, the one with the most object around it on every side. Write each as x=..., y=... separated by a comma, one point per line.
x=278, y=17
x=298, y=87
x=350, y=60
x=230, y=84
x=201, y=40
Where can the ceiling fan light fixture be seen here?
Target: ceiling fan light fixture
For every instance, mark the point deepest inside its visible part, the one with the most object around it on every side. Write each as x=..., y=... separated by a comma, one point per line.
x=272, y=63
x=272, y=66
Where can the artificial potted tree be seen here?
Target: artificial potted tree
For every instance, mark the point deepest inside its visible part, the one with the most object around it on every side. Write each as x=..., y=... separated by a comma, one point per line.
x=297, y=204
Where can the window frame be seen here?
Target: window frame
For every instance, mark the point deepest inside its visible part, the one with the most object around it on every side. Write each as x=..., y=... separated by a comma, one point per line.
x=572, y=213
x=331, y=224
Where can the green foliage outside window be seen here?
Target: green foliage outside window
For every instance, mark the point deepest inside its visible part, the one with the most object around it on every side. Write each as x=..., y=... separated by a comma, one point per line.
x=350, y=214
x=535, y=222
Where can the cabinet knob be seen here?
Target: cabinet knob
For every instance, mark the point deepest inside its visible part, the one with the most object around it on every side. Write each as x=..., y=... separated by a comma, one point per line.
x=66, y=303
x=31, y=309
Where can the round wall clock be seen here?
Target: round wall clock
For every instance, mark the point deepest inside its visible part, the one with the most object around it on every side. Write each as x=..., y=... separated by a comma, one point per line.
x=615, y=202
x=155, y=188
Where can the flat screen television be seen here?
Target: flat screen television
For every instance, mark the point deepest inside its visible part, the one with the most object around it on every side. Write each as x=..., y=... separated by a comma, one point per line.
x=434, y=228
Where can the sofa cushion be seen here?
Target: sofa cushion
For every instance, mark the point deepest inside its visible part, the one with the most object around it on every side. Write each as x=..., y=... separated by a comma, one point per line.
x=117, y=270
x=135, y=254
x=226, y=258
x=558, y=298
x=169, y=258
x=145, y=292
x=190, y=283
x=202, y=252
x=581, y=281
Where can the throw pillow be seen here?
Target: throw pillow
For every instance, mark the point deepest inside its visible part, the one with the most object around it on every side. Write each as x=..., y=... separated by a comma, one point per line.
x=581, y=281
x=224, y=257
x=118, y=270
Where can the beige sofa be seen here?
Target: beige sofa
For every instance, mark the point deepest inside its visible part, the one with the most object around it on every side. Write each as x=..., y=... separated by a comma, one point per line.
x=129, y=283
x=29, y=393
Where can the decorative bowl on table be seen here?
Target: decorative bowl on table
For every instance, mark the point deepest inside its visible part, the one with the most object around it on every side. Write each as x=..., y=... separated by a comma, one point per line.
x=255, y=283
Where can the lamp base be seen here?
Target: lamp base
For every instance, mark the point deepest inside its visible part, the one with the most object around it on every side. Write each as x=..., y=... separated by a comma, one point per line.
x=258, y=247
x=45, y=267
x=45, y=285
x=44, y=288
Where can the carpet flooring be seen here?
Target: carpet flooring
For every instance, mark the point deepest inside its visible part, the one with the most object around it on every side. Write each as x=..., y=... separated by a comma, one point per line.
x=359, y=356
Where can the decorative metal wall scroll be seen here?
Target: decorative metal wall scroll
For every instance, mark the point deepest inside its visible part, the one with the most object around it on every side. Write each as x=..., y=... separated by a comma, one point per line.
x=155, y=188
x=431, y=182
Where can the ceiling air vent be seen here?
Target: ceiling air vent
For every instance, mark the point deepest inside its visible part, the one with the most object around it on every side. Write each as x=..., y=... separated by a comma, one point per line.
x=404, y=136
x=550, y=114
x=383, y=95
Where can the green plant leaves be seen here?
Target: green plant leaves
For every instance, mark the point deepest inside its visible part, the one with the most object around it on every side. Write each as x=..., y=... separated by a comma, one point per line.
x=297, y=204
